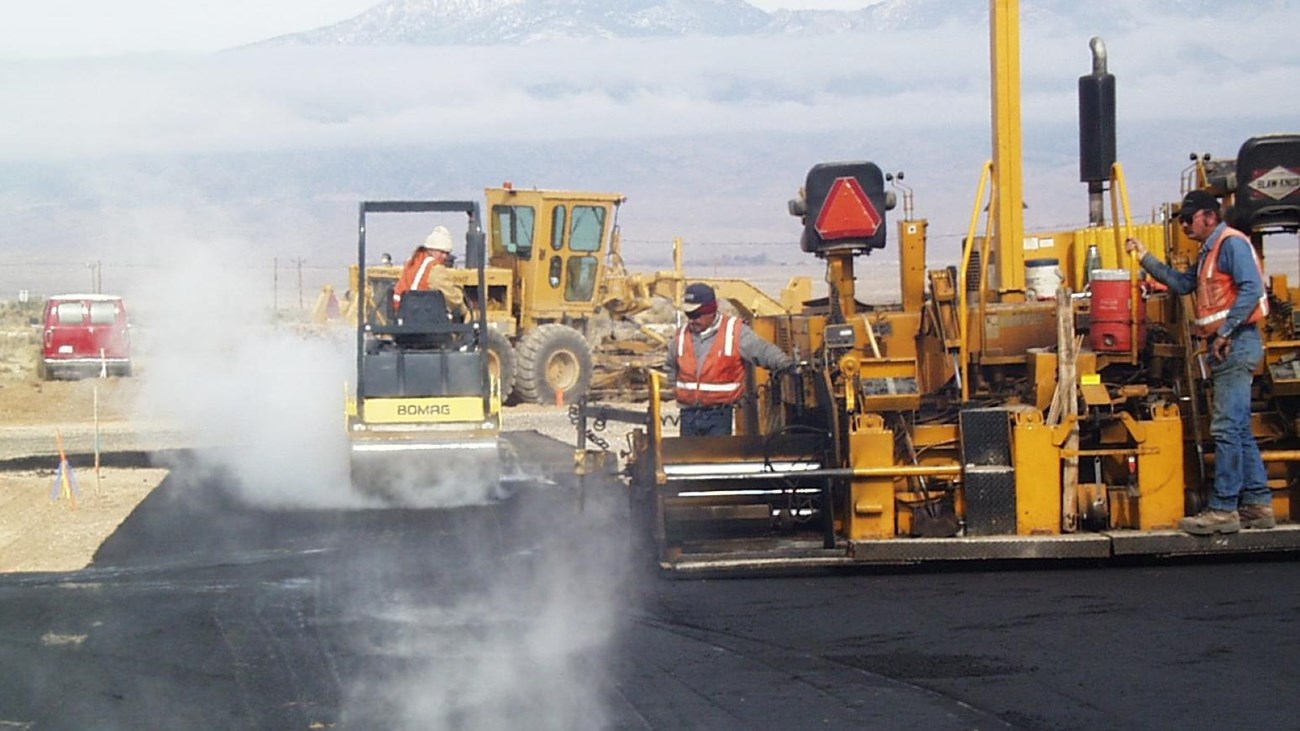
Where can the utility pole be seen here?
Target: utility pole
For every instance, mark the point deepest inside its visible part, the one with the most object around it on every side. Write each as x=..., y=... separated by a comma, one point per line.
x=275, y=284
x=298, y=262
x=96, y=283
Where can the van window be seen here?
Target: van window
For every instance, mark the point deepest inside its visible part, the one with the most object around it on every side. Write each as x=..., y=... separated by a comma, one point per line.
x=103, y=313
x=67, y=313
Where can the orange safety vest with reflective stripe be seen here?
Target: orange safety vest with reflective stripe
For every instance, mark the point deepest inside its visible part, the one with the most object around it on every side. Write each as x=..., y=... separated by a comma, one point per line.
x=429, y=276
x=720, y=378
x=1216, y=290
x=412, y=275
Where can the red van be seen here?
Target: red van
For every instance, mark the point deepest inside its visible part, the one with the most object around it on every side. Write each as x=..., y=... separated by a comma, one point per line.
x=85, y=335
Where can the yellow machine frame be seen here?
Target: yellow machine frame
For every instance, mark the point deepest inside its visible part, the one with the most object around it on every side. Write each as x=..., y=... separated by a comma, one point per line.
x=972, y=421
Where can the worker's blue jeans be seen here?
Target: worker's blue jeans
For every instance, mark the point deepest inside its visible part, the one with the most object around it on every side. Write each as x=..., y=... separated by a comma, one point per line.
x=1239, y=476
x=706, y=421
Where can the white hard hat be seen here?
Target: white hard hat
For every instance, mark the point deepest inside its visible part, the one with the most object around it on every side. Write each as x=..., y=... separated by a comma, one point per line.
x=439, y=239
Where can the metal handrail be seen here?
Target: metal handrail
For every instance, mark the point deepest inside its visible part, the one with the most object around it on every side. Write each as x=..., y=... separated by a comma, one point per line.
x=963, y=315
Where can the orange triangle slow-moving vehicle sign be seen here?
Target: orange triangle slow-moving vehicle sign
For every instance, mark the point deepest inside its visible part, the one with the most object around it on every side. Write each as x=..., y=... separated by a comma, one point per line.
x=847, y=212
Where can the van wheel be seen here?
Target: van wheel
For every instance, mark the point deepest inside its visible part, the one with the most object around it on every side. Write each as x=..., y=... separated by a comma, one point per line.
x=42, y=372
x=553, y=359
x=501, y=361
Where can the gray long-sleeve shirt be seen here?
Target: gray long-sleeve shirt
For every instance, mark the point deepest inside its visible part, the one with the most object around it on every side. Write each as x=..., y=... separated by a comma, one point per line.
x=753, y=349
x=1235, y=259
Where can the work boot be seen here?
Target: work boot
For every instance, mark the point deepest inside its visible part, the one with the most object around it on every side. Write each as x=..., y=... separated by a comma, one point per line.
x=1257, y=516
x=1208, y=522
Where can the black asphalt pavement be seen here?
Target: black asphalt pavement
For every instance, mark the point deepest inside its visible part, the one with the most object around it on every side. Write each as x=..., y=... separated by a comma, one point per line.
x=203, y=612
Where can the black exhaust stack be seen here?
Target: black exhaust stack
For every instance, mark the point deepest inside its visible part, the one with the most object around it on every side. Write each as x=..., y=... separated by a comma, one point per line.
x=1096, y=130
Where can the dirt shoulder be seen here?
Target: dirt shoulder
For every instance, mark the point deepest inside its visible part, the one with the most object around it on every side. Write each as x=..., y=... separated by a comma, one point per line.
x=47, y=527
x=45, y=523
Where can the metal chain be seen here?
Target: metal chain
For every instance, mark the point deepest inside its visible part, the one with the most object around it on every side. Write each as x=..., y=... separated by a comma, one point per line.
x=599, y=422
x=598, y=440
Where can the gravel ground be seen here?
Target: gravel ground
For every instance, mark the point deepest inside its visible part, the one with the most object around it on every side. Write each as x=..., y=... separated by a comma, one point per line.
x=558, y=423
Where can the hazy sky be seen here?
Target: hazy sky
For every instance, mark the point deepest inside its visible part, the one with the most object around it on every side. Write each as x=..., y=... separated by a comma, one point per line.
x=68, y=28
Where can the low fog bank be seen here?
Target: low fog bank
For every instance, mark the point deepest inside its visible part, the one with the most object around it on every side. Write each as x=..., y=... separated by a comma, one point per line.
x=283, y=224
x=723, y=195
x=708, y=138
x=314, y=98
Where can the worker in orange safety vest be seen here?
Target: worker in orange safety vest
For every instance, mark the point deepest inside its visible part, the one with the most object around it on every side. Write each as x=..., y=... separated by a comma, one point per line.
x=706, y=363
x=1228, y=281
x=427, y=269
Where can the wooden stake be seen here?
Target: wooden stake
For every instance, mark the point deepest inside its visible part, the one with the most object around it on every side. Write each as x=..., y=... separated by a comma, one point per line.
x=97, y=475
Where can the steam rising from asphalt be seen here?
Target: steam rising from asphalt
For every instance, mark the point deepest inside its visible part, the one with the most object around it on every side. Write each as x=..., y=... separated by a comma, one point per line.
x=264, y=399
x=526, y=643
x=496, y=617
x=215, y=366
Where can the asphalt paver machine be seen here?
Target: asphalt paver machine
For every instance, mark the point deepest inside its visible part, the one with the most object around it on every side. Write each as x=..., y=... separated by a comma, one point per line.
x=1039, y=400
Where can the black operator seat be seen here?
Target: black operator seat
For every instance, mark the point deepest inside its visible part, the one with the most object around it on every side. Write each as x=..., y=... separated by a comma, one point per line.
x=425, y=322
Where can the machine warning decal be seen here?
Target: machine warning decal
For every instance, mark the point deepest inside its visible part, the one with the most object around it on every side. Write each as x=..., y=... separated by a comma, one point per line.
x=847, y=212
x=1277, y=183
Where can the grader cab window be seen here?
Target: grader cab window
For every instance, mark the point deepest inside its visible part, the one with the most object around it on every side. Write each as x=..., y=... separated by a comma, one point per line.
x=557, y=228
x=580, y=279
x=585, y=234
x=588, y=228
x=512, y=230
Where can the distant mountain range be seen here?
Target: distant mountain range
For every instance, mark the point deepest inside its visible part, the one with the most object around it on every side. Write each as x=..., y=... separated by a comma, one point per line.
x=485, y=22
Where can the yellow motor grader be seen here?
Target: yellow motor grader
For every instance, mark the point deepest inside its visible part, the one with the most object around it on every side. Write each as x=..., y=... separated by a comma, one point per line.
x=1040, y=400
x=556, y=284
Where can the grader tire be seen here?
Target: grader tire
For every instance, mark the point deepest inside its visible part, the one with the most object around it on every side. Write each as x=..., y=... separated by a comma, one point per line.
x=502, y=362
x=553, y=359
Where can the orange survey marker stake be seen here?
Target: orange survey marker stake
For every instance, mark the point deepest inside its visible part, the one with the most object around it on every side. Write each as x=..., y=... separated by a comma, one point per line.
x=65, y=483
